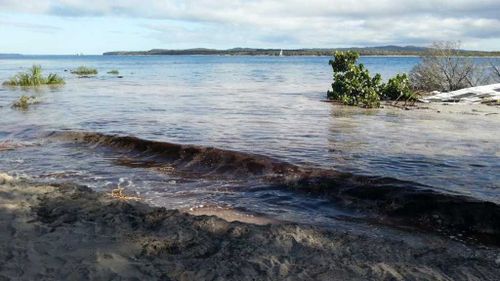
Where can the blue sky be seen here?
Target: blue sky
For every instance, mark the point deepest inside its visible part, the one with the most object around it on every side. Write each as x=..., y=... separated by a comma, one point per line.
x=93, y=27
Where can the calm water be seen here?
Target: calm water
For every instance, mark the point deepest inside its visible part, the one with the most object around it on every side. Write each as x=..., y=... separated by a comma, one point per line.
x=264, y=105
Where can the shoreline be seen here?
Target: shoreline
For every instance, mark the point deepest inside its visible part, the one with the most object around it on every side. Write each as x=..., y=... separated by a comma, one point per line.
x=21, y=56
x=71, y=232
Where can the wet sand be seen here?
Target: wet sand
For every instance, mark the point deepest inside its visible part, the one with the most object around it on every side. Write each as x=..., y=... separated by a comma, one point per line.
x=69, y=232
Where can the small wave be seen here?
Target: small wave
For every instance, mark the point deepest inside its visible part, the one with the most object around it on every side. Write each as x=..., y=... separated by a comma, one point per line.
x=188, y=158
x=388, y=200
x=13, y=145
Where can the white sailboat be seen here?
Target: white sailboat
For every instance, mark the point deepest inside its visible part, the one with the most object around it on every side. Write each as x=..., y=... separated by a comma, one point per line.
x=281, y=52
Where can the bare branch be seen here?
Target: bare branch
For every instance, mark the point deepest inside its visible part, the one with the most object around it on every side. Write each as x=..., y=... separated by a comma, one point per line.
x=496, y=69
x=444, y=68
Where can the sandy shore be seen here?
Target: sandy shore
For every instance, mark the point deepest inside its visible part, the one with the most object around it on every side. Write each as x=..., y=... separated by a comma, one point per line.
x=72, y=233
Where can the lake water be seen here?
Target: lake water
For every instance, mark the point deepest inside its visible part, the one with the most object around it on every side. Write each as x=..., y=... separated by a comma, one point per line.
x=270, y=106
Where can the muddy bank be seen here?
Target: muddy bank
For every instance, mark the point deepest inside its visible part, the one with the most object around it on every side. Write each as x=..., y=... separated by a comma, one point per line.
x=385, y=200
x=69, y=232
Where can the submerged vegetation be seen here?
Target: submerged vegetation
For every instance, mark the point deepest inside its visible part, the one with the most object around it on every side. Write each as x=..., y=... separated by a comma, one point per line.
x=83, y=70
x=33, y=78
x=24, y=102
x=353, y=85
x=114, y=72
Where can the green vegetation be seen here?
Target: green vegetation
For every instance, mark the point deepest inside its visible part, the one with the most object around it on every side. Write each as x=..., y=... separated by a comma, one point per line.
x=34, y=78
x=24, y=102
x=84, y=71
x=114, y=72
x=353, y=85
x=398, y=88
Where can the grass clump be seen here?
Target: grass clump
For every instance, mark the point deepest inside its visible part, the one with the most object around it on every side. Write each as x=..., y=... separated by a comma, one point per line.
x=114, y=72
x=24, y=102
x=353, y=84
x=33, y=78
x=54, y=79
x=83, y=70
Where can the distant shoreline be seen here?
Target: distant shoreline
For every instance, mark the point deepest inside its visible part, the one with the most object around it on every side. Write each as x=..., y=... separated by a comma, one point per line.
x=134, y=54
x=408, y=51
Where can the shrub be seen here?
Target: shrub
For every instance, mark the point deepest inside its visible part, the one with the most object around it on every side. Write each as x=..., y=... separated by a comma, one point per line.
x=83, y=70
x=352, y=83
x=34, y=78
x=24, y=102
x=343, y=61
x=398, y=88
x=114, y=72
x=444, y=68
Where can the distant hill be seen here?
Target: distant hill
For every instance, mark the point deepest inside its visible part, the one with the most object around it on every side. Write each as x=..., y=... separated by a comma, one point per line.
x=390, y=50
x=9, y=55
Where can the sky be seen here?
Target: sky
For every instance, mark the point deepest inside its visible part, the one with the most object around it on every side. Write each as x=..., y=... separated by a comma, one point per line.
x=94, y=27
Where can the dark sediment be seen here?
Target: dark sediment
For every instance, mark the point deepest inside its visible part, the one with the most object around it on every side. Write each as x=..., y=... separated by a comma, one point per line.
x=192, y=159
x=386, y=200
x=409, y=204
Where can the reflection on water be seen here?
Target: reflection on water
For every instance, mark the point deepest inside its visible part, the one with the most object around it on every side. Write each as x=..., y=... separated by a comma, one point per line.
x=269, y=106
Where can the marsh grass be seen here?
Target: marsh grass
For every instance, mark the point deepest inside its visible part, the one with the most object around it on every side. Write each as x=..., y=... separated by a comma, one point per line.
x=83, y=70
x=33, y=78
x=54, y=79
x=114, y=72
x=24, y=102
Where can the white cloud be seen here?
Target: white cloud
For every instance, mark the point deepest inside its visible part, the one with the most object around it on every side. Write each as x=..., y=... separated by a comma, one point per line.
x=311, y=23
x=29, y=26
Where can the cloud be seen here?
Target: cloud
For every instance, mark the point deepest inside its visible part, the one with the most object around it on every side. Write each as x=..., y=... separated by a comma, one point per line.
x=302, y=23
x=30, y=26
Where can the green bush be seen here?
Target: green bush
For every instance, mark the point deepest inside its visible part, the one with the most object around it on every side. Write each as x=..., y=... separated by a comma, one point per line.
x=343, y=61
x=34, y=78
x=352, y=83
x=398, y=88
x=114, y=72
x=83, y=70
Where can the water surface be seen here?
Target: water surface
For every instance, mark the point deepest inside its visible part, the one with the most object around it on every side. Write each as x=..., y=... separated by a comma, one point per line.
x=264, y=105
